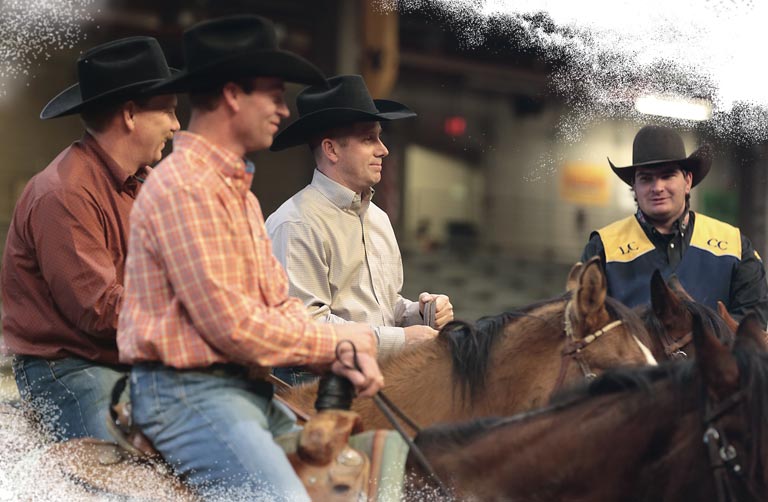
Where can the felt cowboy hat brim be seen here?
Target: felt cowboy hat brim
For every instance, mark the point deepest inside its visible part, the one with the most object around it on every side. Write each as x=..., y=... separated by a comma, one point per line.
x=328, y=118
x=698, y=164
x=256, y=63
x=70, y=100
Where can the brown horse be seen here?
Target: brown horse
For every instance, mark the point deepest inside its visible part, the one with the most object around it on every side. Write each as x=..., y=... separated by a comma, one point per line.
x=669, y=320
x=507, y=363
x=694, y=430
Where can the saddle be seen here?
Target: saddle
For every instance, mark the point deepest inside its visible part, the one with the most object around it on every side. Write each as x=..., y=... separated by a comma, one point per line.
x=329, y=468
x=321, y=455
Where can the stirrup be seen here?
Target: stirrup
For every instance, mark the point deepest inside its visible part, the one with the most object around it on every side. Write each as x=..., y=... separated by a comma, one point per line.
x=122, y=429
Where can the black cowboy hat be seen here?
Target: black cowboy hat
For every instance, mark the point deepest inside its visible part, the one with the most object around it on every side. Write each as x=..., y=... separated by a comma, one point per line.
x=657, y=146
x=228, y=48
x=341, y=101
x=119, y=70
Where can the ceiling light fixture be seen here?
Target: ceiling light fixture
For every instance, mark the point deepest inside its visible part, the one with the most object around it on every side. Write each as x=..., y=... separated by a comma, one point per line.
x=677, y=107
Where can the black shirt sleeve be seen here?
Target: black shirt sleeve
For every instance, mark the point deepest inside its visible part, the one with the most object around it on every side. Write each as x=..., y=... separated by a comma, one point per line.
x=749, y=290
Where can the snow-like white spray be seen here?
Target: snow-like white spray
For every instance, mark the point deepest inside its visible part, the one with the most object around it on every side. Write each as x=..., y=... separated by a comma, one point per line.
x=32, y=30
x=618, y=50
x=615, y=50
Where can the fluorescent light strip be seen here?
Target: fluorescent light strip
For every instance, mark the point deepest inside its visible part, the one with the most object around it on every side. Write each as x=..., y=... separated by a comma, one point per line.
x=674, y=107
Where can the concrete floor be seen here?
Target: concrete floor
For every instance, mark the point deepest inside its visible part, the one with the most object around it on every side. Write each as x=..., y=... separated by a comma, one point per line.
x=482, y=284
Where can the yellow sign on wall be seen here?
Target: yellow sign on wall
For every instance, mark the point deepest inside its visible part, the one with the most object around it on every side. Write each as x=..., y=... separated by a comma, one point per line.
x=585, y=184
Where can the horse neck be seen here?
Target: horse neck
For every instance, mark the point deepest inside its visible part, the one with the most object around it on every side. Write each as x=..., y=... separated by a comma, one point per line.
x=593, y=447
x=520, y=370
x=417, y=380
x=523, y=369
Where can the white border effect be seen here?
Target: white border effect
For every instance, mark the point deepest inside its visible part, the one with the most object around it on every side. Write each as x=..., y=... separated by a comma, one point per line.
x=699, y=48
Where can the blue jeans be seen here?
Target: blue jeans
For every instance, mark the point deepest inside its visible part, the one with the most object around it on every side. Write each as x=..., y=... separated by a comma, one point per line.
x=70, y=396
x=216, y=429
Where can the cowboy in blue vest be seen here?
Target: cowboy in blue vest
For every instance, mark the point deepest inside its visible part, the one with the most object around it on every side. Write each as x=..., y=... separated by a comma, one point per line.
x=713, y=260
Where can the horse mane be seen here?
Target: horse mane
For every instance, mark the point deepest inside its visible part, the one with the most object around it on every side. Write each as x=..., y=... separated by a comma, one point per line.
x=632, y=322
x=623, y=379
x=632, y=381
x=441, y=437
x=470, y=345
x=709, y=317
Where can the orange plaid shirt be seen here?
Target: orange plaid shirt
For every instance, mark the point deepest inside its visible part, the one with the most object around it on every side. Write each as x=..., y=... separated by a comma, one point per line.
x=201, y=283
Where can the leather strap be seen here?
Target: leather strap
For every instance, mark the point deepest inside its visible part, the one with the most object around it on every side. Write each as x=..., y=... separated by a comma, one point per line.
x=429, y=314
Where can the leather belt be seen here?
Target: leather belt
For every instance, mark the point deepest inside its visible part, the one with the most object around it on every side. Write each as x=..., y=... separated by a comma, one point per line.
x=256, y=376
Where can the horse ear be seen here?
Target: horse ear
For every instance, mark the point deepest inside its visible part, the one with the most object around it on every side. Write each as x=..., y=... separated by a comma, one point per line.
x=592, y=288
x=572, y=282
x=677, y=286
x=750, y=328
x=726, y=316
x=716, y=364
x=665, y=303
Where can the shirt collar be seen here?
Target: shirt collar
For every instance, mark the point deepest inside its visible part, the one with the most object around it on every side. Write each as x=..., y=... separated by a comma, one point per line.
x=128, y=183
x=238, y=171
x=678, y=227
x=341, y=196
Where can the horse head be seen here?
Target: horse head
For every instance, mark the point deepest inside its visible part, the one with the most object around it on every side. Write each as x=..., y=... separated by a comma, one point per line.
x=591, y=316
x=669, y=320
x=735, y=382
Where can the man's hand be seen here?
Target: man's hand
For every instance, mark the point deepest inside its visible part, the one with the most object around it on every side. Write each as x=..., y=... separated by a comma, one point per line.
x=418, y=333
x=443, y=308
x=360, y=334
x=368, y=381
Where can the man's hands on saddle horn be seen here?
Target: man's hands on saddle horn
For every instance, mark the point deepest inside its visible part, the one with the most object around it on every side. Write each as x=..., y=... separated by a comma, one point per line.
x=443, y=308
x=368, y=380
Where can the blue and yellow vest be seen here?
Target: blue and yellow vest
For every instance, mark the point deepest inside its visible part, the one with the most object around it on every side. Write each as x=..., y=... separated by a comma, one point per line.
x=705, y=270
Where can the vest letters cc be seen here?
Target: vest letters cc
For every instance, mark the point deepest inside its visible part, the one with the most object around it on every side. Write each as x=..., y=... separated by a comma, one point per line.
x=716, y=243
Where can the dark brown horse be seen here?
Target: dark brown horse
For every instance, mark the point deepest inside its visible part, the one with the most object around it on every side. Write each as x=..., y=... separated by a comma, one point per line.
x=507, y=363
x=669, y=320
x=694, y=430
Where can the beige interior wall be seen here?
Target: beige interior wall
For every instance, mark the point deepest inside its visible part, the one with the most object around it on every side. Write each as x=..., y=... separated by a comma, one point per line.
x=527, y=215
x=439, y=189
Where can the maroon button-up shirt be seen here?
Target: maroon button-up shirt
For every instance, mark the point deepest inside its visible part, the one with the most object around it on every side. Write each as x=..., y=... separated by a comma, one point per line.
x=62, y=272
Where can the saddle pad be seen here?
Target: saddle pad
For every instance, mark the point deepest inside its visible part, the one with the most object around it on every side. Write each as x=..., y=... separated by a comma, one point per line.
x=388, y=453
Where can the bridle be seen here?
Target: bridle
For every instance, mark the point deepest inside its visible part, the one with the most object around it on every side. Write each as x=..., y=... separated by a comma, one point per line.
x=724, y=459
x=572, y=351
x=674, y=349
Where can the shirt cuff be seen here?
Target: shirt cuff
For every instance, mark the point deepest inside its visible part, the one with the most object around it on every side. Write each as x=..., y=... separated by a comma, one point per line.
x=391, y=340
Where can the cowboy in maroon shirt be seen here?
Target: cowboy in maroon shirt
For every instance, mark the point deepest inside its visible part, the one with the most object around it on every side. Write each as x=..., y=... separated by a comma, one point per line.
x=62, y=271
